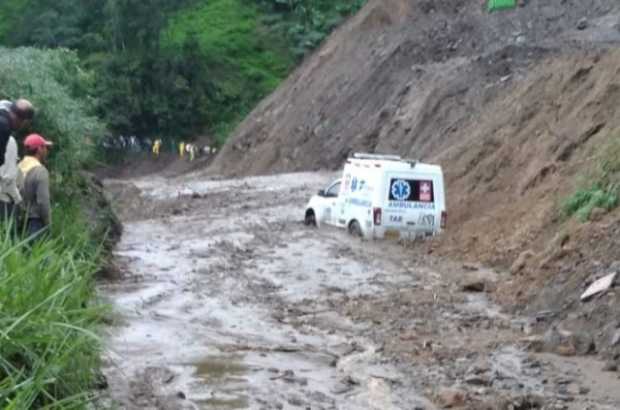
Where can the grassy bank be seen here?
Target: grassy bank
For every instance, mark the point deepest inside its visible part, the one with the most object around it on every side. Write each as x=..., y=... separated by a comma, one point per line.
x=49, y=351
x=600, y=186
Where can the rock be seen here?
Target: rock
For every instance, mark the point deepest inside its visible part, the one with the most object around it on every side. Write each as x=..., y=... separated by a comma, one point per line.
x=610, y=367
x=181, y=395
x=582, y=24
x=583, y=343
x=600, y=286
x=474, y=285
x=552, y=338
x=101, y=381
x=568, y=343
x=471, y=267
x=478, y=368
x=521, y=262
x=450, y=398
x=534, y=343
x=477, y=380
x=295, y=400
x=615, y=339
x=566, y=350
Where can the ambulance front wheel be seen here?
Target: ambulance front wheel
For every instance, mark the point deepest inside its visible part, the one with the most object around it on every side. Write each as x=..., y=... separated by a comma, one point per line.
x=310, y=218
x=355, y=229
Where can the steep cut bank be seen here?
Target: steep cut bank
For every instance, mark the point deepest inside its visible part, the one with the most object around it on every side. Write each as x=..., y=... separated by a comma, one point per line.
x=407, y=77
x=517, y=106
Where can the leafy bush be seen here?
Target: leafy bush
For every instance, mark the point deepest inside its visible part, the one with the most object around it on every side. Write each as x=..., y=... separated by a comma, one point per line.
x=602, y=189
x=54, y=82
x=306, y=23
x=48, y=349
x=49, y=353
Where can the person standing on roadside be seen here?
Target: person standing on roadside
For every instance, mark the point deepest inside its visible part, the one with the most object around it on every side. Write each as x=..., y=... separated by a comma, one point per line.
x=156, y=148
x=13, y=117
x=36, y=189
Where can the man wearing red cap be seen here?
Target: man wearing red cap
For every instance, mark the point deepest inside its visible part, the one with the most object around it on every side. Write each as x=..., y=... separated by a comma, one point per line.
x=36, y=188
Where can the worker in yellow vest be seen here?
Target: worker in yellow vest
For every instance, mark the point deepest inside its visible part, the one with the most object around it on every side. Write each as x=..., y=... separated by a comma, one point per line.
x=182, y=150
x=156, y=148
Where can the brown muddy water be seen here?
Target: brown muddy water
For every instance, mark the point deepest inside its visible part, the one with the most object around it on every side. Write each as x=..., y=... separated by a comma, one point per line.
x=229, y=302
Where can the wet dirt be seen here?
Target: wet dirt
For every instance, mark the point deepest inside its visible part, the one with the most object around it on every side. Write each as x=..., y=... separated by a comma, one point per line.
x=229, y=302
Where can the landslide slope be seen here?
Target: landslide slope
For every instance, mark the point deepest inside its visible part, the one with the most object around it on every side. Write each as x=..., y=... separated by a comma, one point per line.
x=518, y=107
x=407, y=76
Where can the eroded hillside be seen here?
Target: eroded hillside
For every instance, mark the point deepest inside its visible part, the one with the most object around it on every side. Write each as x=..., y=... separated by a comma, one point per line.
x=518, y=106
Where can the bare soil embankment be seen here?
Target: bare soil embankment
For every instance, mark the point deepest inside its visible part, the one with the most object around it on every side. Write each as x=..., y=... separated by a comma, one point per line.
x=515, y=106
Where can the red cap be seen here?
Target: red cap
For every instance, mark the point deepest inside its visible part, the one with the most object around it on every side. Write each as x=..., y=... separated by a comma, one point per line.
x=34, y=141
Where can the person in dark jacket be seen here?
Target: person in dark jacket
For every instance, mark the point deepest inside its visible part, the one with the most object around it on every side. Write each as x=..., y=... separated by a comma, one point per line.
x=36, y=188
x=13, y=116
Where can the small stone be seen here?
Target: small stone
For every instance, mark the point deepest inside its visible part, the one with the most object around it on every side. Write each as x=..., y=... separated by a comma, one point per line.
x=475, y=285
x=471, y=267
x=610, y=367
x=449, y=398
x=584, y=390
x=566, y=350
x=477, y=380
x=582, y=24
x=181, y=395
x=615, y=339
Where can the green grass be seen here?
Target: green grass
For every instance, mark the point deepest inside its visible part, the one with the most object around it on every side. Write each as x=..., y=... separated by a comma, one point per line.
x=601, y=185
x=245, y=60
x=49, y=351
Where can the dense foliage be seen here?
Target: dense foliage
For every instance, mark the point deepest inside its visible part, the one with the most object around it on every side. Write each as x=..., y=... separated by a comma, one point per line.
x=58, y=87
x=306, y=22
x=49, y=353
x=177, y=67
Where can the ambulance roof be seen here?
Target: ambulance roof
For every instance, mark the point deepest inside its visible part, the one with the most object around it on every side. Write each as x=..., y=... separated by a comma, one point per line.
x=391, y=163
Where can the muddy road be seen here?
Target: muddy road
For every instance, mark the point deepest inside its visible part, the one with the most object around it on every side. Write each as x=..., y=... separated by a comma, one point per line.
x=228, y=301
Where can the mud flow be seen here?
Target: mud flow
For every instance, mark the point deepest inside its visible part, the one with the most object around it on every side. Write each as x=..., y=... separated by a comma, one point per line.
x=229, y=302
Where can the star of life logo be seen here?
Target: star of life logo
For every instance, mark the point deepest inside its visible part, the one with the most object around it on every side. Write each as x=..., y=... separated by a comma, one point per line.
x=401, y=190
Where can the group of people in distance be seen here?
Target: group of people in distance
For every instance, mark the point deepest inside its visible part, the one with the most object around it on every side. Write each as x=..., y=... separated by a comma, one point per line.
x=186, y=150
x=25, y=184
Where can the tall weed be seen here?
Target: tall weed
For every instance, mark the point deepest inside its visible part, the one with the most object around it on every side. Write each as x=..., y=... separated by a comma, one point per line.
x=49, y=351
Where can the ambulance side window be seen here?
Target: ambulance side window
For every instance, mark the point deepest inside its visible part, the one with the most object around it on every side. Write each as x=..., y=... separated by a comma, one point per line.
x=333, y=191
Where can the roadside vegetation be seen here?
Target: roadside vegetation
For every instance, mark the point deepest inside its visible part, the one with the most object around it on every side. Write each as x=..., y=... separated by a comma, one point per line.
x=601, y=185
x=155, y=68
x=49, y=351
x=177, y=68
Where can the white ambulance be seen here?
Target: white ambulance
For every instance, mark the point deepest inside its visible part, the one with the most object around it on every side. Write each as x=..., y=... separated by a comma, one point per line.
x=383, y=196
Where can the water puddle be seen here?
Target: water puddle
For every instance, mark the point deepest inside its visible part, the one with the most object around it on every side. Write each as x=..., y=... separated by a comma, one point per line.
x=217, y=370
x=226, y=377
